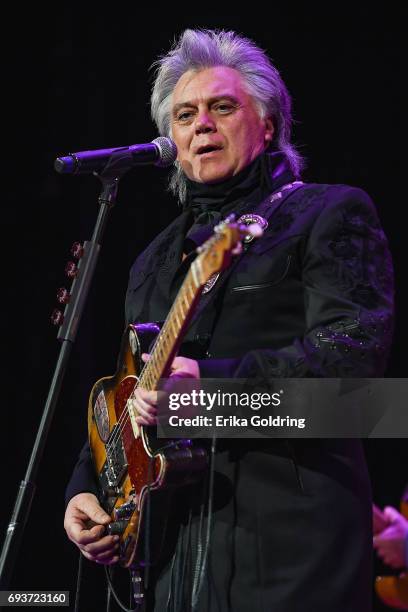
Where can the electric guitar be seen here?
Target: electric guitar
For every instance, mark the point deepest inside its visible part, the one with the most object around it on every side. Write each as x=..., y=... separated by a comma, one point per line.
x=137, y=472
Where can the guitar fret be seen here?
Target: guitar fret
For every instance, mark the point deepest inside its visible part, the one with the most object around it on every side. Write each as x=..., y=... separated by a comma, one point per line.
x=181, y=314
x=155, y=370
x=152, y=381
x=187, y=303
x=147, y=382
x=194, y=273
x=164, y=339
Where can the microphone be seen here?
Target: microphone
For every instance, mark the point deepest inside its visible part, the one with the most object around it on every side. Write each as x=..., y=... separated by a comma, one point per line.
x=160, y=152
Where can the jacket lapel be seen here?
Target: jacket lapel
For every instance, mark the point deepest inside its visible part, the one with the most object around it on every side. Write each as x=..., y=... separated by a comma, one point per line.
x=169, y=252
x=267, y=209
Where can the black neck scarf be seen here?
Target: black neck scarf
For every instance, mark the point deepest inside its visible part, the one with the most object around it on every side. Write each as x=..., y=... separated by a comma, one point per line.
x=241, y=193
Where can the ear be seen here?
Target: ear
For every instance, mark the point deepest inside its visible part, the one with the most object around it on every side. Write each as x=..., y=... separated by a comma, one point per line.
x=269, y=130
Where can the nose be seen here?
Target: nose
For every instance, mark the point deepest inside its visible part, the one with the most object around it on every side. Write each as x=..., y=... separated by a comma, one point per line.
x=204, y=123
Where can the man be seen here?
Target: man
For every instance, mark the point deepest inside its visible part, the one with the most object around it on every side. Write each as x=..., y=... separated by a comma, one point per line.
x=312, y=297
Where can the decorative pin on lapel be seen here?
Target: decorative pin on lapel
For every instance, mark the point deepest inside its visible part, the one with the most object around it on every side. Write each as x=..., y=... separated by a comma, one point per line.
x=249, y=219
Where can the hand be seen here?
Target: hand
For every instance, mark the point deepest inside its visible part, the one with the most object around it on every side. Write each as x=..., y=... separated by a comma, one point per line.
x=380, y=521
x=81, y=509
x=390, y=543
x=145, y=402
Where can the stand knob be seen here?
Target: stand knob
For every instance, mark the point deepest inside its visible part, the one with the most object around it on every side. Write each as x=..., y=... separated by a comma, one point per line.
x=63, y=295
x=57, y=317
x=77, y=250
x=71, y=269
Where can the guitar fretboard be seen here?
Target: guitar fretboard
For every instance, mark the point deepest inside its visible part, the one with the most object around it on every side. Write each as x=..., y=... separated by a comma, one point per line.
x=169, y=338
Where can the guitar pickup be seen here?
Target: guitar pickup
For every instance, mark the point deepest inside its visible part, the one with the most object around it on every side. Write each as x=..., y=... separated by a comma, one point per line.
x=115, y=467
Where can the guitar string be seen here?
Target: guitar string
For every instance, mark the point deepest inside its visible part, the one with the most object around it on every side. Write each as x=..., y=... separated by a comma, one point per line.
x=125, y=415
x=195, y=273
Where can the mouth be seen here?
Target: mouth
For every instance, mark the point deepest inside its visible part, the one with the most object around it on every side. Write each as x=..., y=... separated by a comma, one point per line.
x=206, y=149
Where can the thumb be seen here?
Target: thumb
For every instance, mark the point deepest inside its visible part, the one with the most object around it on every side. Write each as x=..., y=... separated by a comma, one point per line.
x=95, y=512
x=145, y=356
x=391, y=514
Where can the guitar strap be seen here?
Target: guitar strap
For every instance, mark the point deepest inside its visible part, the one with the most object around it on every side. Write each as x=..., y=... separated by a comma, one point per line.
x=205, y=316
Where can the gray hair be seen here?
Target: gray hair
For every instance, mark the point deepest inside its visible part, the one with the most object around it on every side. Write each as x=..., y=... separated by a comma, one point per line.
x=200, y=49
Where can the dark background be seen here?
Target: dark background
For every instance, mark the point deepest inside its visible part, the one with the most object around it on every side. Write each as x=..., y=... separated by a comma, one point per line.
x=79, y=79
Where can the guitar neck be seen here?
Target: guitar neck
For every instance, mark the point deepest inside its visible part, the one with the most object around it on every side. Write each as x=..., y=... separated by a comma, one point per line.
x=169, y=339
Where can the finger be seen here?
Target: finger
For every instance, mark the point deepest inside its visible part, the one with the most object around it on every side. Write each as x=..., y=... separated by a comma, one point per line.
x=179, y=365
x=146, y=412
x=150, y=397
x=107, y=544
x=107, y=561
x=145, y=357
x=391, y=514
x=140, y=420
x=143, y=408
x=94, y=512
x=388, y=535
x=188, y=368
x=379, y=540
x=140, y=406
x=146, y=403
x=81, y=536
x=76, y=530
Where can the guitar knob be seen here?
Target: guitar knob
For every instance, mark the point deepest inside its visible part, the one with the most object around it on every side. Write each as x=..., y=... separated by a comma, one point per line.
x=71, y=269
x=124, y=511
x=117, y=527
x=77, y=250
x=57, y=318
x=63, y=295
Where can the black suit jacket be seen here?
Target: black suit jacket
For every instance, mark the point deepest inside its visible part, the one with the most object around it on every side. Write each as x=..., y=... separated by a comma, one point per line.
x=312, y=297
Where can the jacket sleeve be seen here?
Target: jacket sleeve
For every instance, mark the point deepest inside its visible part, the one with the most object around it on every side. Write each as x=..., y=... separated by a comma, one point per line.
x=83, y=478
x=348, y=297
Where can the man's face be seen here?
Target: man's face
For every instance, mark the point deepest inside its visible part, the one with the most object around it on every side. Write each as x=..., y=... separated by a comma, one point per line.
x=216, y=124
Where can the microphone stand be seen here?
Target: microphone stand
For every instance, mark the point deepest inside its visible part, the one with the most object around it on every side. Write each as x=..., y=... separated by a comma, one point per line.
x=110, y=175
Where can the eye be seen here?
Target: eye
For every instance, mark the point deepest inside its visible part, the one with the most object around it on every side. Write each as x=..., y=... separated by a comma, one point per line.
x=184, y=116
x=224, y=108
